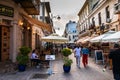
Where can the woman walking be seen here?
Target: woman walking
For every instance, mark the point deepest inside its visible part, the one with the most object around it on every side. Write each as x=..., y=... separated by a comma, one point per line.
x=85, y=52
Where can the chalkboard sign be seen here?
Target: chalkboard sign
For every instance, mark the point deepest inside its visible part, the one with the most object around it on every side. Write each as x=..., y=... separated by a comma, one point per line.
x=99, y=55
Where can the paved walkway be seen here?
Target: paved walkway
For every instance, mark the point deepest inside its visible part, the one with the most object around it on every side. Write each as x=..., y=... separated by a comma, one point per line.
x=92, y=72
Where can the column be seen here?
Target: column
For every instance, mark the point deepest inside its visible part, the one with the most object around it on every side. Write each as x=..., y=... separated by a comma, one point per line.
x=13, y=41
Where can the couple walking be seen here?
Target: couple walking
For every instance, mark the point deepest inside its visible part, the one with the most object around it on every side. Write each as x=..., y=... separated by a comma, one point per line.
x=78, y=52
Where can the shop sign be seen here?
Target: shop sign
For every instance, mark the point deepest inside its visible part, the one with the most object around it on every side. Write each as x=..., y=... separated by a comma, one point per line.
x=6, y=11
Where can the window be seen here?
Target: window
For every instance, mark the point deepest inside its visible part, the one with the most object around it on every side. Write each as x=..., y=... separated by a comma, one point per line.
x=99, y=18
x=107, y=12
x=73, y=36
x=93, y=21
x=69, y=38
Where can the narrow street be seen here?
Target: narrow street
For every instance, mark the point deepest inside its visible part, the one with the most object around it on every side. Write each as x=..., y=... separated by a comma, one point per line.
x=31, y=31
x=92, y=72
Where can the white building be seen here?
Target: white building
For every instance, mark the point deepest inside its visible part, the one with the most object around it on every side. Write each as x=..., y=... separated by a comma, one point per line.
x=101, y=16
x=71, y=31
x=83, y=25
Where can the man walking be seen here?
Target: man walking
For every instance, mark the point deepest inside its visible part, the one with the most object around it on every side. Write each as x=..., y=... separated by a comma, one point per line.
x=77, y=54
x=115, y=56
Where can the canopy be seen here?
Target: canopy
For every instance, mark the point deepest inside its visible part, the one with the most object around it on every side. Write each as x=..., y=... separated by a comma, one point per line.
x=112, y=38
x=81, y=39
x=54, y=38
x=99, y=38
x=87, y=39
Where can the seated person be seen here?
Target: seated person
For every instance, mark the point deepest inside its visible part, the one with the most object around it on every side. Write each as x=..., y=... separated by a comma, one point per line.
x=34, y=57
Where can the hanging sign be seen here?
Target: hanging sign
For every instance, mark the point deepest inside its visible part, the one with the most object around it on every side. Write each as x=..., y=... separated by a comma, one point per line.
x=6, y=11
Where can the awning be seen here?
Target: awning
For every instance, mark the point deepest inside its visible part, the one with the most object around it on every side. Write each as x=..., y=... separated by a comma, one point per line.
x=112, y=38
x=84, y=33
x=42, y=25
x=99, y=38
x=81, y=40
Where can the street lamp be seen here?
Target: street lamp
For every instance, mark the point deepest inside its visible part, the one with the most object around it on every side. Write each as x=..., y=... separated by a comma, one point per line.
x=51, y=21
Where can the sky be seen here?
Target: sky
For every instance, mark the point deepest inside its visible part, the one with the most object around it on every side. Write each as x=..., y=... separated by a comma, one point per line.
x=67, y=10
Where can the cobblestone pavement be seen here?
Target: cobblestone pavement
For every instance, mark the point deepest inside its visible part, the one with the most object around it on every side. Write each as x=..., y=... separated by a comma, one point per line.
x=92, y=72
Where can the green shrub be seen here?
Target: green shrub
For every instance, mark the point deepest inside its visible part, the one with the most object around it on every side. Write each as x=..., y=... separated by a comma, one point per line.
x=67, y=61
x=25, y=50
x=66, y=52
x=23, y=57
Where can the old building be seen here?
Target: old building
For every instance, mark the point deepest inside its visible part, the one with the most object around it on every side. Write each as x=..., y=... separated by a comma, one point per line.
x=101, y=16
x=83, y=25
x=98, y=17
x=18, y=28
x=71, y=31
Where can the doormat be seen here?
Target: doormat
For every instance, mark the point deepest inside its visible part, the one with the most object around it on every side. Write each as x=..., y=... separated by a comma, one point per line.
x=39, y=76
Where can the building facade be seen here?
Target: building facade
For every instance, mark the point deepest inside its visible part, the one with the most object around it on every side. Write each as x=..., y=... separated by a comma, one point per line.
x=18, y=28
x=99, y=16
x=83, y=24
x=71, y=31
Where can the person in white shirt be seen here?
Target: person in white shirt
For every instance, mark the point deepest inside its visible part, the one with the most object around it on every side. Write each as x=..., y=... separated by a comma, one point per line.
x=34, y=57
x=77, y=54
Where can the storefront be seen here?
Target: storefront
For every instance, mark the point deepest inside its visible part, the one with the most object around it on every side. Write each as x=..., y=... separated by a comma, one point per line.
x=6, y=18
x=16, y=30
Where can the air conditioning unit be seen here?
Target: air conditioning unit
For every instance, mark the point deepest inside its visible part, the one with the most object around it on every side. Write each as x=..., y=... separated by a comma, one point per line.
x=117, y=8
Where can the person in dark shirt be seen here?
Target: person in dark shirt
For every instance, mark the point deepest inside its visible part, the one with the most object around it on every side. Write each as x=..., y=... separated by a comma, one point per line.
x=115, y=56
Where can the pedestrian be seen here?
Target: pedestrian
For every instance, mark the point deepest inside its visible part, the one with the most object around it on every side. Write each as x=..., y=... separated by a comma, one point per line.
x=115, y=56
x=77, y=54
x=85, y=52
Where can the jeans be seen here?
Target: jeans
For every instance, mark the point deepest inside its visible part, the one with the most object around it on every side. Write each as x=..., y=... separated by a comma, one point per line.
x=116, y=76
x=78, y=61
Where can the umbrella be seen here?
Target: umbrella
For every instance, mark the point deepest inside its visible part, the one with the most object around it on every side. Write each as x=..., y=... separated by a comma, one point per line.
x=99, y=38
x=112, y=38
x=54, y=38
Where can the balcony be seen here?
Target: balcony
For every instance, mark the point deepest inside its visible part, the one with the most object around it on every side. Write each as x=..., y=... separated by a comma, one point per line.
x=30, y=6
x=117, y=8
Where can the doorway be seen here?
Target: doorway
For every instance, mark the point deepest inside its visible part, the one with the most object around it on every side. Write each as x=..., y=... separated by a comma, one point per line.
x=4, y=43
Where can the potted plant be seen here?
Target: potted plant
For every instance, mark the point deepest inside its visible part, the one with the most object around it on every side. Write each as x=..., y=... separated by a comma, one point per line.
x=66, y=52
x=67, y=61
x=23, y=58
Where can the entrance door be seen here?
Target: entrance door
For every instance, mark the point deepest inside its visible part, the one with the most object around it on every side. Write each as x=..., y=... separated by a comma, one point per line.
x=4, y=43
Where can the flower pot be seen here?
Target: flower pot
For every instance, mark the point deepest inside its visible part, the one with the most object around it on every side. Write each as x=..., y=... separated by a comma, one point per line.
x=66, y=69
x=21, y=68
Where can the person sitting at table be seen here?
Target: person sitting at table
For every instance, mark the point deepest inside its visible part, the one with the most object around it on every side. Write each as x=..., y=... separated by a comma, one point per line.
x=34, y=57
